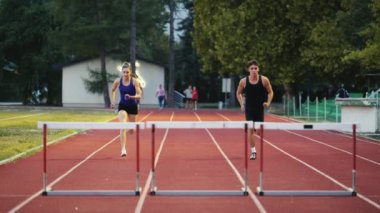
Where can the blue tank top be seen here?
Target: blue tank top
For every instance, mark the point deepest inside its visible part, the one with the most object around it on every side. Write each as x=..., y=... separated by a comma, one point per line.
x=129, y=89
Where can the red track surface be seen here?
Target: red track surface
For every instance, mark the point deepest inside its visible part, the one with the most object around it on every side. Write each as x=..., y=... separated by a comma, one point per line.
x=191, y=160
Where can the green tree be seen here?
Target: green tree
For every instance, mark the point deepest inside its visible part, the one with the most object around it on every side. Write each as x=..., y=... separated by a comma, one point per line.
x=369, y=53
x=23, y=41
x=293, y=40
x=188, y=68
x=91, y=28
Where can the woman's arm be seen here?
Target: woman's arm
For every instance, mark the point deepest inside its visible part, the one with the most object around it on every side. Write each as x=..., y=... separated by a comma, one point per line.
x=113, y=94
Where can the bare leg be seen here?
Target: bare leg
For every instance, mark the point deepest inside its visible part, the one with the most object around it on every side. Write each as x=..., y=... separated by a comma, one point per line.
x=252, y=139
x=251, y=136
x=131, y=118
x=123, y=132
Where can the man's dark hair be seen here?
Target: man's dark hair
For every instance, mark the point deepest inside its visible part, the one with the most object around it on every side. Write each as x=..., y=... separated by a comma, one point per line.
x=252, y=62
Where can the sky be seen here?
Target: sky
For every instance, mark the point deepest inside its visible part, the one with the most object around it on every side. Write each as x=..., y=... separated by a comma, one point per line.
x=179, y=16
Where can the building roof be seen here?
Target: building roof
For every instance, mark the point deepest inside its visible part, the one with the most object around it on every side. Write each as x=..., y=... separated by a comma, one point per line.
x=76, y=61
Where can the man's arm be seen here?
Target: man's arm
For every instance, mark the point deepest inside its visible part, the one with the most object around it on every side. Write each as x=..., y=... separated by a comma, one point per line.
x=269, y=89
x=239, y=93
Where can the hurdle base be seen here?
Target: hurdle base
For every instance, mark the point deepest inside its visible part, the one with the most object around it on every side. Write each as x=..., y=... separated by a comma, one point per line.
x=153, y=191
x=199, y=193
x=92, y=193
x=310, y=193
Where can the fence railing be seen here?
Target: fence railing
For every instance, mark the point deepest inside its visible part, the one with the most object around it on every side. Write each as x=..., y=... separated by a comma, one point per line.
x=178, y=99
x=317, y=109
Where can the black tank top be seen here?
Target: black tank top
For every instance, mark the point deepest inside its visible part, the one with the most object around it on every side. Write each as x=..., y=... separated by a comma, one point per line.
x=255, y=94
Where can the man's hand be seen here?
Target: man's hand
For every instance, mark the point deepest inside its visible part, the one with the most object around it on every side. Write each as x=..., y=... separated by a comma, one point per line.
x=266, y=104
x=242, y=108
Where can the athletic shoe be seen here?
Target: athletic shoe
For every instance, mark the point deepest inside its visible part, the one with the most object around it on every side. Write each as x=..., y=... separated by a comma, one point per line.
x=123, y=153
x=253, y=156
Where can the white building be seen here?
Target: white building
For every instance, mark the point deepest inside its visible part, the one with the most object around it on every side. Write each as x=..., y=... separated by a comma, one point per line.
x=74, y=93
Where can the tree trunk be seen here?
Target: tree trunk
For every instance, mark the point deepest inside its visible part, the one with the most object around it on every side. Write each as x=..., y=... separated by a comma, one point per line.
x=133, y=38
x=103, y=70
x=232, y=100
x=171, y=55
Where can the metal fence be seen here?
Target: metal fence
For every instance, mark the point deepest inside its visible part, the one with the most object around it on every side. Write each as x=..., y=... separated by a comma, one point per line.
x=321, y=109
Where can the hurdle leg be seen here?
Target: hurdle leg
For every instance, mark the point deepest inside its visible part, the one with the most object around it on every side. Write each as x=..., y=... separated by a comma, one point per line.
x=153, y=186
x=354, y=160
x=138, y=188
x=260, y=189
x=245, y=191
x=44, y=175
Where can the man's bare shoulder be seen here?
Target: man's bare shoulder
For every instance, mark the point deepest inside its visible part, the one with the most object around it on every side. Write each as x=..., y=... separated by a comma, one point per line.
x=242, y=81
x=265, y=78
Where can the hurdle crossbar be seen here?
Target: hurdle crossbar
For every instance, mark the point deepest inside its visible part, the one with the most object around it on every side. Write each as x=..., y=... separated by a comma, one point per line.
x=302, y=126
x=199, y=124
x=199, y=192
x=92, y=192
x=90, y=125
x=153, y=125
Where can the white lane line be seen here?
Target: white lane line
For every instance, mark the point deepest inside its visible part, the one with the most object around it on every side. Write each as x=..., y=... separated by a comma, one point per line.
x=343, y=134
x=15, y=157
x=250, y=192
x=37, y=194
x=143, y=195
x=333, y=147
x=323, y=174
x=22, y=204
x=336, y=148
x=22, y=116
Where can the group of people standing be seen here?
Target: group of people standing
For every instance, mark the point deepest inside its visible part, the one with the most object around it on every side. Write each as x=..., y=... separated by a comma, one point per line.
x=256, y=88
x=191, y=97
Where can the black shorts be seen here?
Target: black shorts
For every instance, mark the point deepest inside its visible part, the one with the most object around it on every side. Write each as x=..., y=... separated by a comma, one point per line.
x=131, y=110
x=254, y=115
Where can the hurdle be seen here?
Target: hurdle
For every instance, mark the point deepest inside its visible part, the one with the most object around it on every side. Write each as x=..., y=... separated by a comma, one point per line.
x=244, y=125
x=90, y=125
x=302, y=126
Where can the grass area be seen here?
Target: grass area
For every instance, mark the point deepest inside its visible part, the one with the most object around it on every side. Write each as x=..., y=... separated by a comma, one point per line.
x=19, y=132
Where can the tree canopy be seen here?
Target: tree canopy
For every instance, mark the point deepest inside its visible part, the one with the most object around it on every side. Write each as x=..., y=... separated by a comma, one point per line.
x=300, y=44
x=293, y=40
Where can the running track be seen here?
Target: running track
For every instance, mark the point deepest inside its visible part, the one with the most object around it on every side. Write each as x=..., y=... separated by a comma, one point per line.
x=196, y=159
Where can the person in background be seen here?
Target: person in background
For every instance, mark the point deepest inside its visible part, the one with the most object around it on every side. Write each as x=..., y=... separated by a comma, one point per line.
x=161, y=95
x=188, y=97
x=342, y=92
x=130, y=92
x=258, y=95
x=194, y=97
